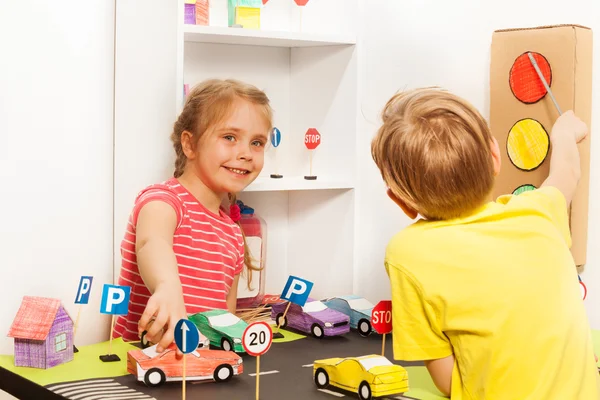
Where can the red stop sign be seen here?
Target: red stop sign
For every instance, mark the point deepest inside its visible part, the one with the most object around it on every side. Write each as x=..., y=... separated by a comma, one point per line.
x=301, y=2
x=312, y=138
x=381, y=317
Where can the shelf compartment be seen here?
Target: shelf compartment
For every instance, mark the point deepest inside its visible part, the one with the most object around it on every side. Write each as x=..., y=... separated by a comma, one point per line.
x=266, y=184
x=241, y=36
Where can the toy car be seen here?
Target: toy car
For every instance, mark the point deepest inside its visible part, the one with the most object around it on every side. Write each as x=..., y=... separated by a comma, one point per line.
x=314, y=317
x=154, y=368
x=369, y=376
x=222, y=328
x=357, y=308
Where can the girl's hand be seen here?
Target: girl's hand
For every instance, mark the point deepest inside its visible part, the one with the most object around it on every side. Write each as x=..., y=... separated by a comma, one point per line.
x=164, y=309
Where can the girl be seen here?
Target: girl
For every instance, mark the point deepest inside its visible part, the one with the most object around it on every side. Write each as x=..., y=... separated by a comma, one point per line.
x=182, y=253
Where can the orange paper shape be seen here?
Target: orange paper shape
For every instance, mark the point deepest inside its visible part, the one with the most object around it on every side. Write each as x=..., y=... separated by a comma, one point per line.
x=301, y=2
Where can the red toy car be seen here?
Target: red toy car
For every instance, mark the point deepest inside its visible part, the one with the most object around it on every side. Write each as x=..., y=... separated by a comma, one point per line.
x=154, y=368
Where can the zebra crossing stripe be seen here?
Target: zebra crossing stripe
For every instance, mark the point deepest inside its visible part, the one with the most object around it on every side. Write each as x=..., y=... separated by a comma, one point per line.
x=96, y=389
x=54, y=387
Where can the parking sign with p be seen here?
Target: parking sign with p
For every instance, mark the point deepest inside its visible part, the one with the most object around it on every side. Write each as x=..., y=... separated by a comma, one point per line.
x=83, y=292
x=115, y=299
x=296, y=290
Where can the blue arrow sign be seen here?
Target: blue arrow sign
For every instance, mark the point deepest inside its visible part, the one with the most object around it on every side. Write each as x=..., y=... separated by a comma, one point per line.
x=187, y=336
x=275, y=137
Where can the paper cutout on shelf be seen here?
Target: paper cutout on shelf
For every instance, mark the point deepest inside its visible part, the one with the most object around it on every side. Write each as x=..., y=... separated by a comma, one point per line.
x=42, y=332
x=244, y=13
x=369, y=376
x=312, y=139
x=275, y=137
x=301, y=3
x=524, y=81
x=528, y=144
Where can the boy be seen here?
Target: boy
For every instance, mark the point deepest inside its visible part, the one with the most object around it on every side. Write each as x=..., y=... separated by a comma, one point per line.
x=485, y=293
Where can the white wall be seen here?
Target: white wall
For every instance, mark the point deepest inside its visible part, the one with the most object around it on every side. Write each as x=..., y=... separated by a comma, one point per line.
x=56, y=98
x=420, y=43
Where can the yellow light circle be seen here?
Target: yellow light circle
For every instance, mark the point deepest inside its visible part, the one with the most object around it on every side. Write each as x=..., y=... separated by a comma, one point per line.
x=527, y=144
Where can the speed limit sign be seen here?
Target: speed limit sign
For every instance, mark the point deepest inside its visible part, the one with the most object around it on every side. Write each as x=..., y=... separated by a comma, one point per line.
x=257, y=338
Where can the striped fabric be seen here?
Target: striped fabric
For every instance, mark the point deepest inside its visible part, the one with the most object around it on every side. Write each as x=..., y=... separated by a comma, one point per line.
x=209, y=250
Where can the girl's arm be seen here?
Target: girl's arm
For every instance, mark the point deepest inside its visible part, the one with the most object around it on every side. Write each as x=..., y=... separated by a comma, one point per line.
x=157, y=264
x=232, y=295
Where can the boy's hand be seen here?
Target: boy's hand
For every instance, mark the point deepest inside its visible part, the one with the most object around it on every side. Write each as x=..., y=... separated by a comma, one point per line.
x=569, y=124
x=164, y=309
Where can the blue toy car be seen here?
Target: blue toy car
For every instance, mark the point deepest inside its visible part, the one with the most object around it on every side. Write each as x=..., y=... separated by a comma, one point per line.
x=357, y=308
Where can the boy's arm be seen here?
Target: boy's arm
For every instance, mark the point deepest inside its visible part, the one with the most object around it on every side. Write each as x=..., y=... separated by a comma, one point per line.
x=417, y=333
x=564, y=163
x=441, y=373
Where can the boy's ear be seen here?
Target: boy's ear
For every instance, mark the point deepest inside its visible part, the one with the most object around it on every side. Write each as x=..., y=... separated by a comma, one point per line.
x=410, y=213
x=496, y=156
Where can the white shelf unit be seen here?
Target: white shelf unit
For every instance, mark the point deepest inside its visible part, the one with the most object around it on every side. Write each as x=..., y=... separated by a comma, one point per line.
x=226, y=35
x=311, y=80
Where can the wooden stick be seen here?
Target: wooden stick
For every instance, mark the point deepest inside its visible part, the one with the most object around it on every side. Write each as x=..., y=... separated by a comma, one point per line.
x=77, y=321
x=383, y=346
x=183, y=382
x=257, y=374
x=112, y=328
x=541, y=76
x=311, y=154
x=284, y=313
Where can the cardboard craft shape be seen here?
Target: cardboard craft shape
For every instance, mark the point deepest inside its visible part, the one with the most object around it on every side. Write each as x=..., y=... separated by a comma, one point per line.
x=567, y=51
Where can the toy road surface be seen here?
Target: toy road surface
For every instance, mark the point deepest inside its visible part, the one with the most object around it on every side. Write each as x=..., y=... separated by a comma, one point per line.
x=286, y=366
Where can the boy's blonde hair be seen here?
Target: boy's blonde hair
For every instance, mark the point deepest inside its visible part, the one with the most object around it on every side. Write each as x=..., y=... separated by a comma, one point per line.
x=207, y=104
x=434, y=153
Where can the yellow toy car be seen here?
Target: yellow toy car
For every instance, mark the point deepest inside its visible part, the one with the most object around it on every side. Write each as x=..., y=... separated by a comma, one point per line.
x=369, y=376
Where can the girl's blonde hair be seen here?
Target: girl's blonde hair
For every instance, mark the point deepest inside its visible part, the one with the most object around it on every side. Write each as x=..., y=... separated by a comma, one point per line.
x=434, y=153
x=206, y=105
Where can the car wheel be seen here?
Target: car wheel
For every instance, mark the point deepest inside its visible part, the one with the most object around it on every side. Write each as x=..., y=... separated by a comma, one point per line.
x=143, y=341
x=316, y=331
x=226, y=344
x=223, y=373
x=364, y=391
x=154, y=377
x=364, y=328
x=281, y=321
x=321, y=378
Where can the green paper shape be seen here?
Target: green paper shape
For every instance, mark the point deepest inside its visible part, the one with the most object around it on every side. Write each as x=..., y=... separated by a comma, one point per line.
x=85, y=365
x=232, y=4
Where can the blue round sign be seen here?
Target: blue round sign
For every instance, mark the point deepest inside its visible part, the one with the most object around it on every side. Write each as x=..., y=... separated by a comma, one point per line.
x=187, y=336
x=275, y=137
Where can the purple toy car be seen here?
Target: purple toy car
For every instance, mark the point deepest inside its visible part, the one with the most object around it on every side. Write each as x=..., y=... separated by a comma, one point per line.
x=314, y=317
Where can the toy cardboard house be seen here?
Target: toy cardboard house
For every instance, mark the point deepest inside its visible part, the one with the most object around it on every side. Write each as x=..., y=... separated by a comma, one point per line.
x=43, y=333
x=522, y=111
x=244, y=13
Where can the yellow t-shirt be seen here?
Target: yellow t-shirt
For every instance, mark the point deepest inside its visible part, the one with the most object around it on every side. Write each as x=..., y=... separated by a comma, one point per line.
x=499, y=290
